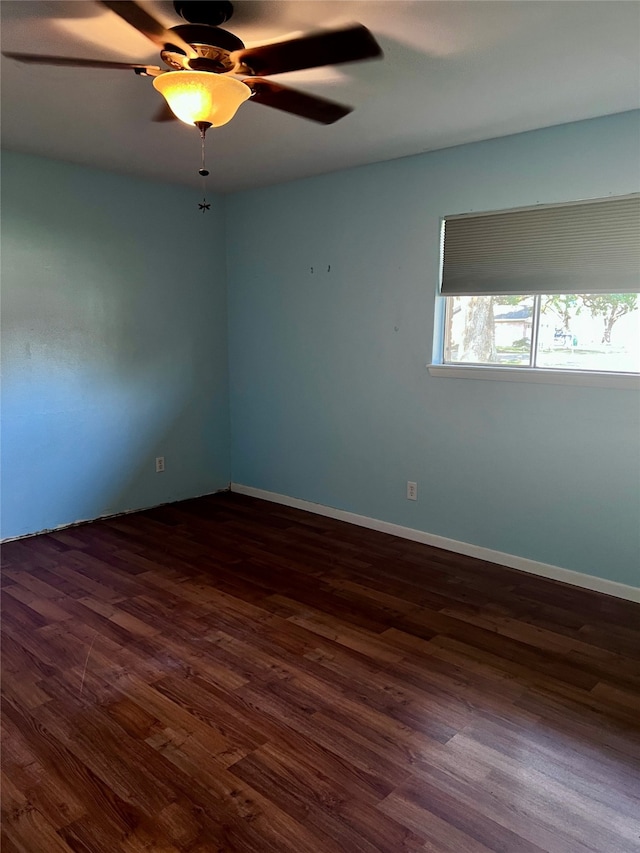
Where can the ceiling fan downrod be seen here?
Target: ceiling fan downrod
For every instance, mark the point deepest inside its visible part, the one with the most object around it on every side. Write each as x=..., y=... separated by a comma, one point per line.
x=214, y=13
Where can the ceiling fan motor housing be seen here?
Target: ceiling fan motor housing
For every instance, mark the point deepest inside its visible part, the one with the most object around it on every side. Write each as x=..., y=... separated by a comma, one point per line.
x=212, y=44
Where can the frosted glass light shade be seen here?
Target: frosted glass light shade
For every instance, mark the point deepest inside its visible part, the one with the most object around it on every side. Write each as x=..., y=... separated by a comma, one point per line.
x=201, y=96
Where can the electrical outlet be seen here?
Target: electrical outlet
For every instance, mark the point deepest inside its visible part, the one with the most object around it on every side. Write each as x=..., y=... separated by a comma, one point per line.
x=159, y=464
x=412, y=491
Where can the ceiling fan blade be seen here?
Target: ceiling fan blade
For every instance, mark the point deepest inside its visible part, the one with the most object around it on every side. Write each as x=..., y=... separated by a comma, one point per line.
x=292, y=101
x=148, y=26
x=165, y=113
x=310, y=51
x=38, y=59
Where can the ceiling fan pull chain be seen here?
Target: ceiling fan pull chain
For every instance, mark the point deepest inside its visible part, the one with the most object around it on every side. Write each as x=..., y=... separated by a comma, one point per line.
x=203, y=126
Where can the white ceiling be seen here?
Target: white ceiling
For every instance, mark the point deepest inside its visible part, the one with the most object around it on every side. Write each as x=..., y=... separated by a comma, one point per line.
x=453, y=72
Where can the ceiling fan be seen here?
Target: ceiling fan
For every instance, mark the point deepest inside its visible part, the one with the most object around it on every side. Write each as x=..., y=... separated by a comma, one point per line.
x=200, y=48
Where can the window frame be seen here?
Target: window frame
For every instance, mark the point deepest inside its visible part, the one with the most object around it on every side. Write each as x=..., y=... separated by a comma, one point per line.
x=538, y=375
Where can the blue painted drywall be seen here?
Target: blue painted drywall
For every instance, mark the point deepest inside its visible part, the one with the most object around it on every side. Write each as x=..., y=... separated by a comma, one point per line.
x=331, y=320
x=114, y=347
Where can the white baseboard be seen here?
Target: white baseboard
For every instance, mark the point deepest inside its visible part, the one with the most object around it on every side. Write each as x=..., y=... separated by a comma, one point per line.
x=619, y=590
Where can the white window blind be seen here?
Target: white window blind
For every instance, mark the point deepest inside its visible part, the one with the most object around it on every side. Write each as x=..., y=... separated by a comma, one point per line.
x=586, y=247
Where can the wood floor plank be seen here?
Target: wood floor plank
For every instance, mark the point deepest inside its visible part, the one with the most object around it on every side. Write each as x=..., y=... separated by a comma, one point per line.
x=28, y=830
x=225, y=675
x=323, y=804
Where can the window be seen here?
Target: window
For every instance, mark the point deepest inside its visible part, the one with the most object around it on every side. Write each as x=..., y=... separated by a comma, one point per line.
x=553, y=331
x=554, y=288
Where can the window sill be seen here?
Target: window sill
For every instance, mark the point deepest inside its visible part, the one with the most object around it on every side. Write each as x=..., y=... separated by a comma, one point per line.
x=629, y=381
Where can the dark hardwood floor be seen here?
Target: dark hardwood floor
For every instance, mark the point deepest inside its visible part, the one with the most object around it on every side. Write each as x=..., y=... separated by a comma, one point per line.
x=230, y=675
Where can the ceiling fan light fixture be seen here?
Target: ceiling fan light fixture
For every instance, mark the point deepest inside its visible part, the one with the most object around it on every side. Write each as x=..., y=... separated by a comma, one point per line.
x=199, y=96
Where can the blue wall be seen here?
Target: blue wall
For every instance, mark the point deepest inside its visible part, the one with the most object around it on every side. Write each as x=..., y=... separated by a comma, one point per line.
x=114, y=344
x=331, y=319
x=115, y=352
